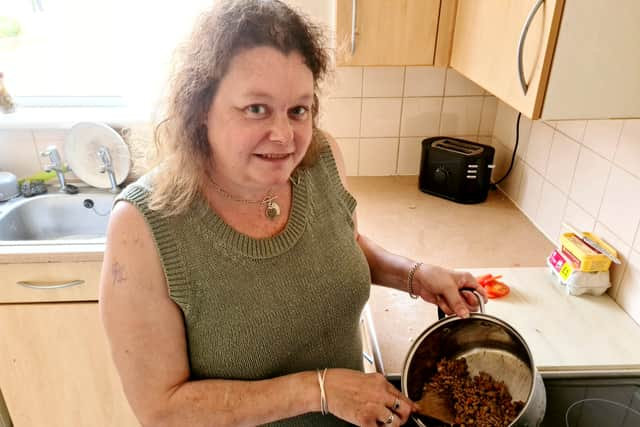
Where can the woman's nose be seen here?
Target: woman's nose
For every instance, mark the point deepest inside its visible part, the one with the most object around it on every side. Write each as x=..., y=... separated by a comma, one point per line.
x=281, y=130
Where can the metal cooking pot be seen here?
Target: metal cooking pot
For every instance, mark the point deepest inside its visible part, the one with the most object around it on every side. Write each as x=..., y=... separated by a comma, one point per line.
x=489, y=345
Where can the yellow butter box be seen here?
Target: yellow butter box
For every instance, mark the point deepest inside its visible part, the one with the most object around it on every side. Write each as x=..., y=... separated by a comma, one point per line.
x=583, y=256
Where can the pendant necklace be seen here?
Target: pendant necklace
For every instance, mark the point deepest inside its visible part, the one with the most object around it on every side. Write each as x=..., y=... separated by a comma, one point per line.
x=271, y=210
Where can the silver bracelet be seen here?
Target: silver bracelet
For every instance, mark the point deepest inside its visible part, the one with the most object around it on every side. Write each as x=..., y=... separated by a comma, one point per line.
x=412, y=272
x=324, y=407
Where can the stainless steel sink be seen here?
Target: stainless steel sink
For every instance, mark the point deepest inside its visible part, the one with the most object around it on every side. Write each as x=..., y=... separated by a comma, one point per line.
x=56, y=218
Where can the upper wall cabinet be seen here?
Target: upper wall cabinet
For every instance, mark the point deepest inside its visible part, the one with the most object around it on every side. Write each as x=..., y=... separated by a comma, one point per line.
x=553, y=59
x=394, y=32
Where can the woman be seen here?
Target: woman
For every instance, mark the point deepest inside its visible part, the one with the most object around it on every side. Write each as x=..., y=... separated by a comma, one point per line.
x=234, y=276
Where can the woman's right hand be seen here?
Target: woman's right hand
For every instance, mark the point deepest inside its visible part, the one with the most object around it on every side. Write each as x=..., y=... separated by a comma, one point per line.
x=365, y=399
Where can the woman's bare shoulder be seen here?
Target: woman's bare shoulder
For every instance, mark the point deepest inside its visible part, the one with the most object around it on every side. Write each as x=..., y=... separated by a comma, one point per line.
x=130, y=251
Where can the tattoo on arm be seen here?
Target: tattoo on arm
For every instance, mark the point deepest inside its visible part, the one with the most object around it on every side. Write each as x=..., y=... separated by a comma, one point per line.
x=117, y=272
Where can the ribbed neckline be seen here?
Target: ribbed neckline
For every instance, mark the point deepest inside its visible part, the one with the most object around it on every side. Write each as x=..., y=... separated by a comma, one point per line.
x=268, y=247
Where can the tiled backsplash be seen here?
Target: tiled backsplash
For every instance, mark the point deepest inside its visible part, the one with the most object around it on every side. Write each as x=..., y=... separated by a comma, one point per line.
x=20, y=149
x=585, y=173
x=380, y=115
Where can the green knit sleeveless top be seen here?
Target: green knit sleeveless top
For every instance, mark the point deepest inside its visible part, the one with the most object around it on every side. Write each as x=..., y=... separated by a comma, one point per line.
x=261, y=308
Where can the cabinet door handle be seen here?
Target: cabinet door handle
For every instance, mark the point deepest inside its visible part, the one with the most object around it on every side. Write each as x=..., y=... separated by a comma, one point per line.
x=354, y=11
x=45, y=286
x=523, y=36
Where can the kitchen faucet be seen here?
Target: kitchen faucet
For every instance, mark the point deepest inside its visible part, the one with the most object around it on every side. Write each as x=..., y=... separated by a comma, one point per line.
x=107, y=166
x=56, y=165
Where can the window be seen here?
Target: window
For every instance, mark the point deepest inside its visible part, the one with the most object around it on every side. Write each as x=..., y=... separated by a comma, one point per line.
x=91, y=52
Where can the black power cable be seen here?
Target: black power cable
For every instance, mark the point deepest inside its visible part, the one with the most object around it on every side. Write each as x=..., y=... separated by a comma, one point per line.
x=513, y=155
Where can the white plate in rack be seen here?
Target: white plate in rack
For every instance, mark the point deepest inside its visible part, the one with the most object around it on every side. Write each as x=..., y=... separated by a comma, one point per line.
x=81, y=153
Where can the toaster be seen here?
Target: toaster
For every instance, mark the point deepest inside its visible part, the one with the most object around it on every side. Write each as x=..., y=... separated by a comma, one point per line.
x=456, y=169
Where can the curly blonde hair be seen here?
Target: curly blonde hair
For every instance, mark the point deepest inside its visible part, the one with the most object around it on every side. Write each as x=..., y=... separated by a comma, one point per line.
x=232, y=26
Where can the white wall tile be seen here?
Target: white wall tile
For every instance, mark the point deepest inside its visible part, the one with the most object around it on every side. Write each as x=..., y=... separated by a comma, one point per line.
x=628, y=153
x=530, y=191
x=501, y=160
x=551, y=210
x=458, y=85
x=409, y=155
x=505, y=128
x=18, y=153
x=460, y=115
x=574, y=129
x=472, y=138
x=629, y=293
x=341, y=117
x=421, y=116
x=620, y=209
x=511, y=185
x=624, y=251
x=578, y=217
x=486, y=140
x=636, y=240
x=488, y=117
x=381, y=82
x=562, y=161
x=424, y=81
x=590, y=180
x=378, y=156
x=505, y=123
x=350, y=148
x=45, y=139
x=602, y=136
x=347, y=83
x=380, y=117
x=540, y=142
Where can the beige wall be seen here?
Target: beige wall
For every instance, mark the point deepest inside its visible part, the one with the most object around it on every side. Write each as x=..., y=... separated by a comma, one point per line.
x=586, y=173
x=379, y=115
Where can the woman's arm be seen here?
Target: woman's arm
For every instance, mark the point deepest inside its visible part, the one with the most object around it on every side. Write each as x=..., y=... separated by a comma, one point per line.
x=435, y=284
x=146, y=332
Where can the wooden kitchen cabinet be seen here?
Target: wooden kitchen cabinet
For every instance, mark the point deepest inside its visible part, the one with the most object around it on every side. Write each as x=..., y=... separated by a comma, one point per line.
x=55, y=362
x=579, y=58
x=394, y=32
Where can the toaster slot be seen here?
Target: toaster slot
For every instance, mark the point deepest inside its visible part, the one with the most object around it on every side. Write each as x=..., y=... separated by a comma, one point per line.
x=458, y=147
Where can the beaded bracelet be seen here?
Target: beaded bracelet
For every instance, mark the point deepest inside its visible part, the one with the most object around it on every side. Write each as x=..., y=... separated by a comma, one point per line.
x=324, y=407
x=412, y=272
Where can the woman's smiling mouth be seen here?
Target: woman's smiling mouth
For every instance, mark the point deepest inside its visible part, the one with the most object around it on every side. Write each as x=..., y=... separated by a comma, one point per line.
x=274, y=156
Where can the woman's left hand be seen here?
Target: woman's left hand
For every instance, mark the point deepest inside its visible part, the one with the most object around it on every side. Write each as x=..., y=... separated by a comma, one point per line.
x=441, y=286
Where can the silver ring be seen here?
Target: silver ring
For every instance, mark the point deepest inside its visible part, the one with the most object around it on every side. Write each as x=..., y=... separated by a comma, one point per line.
x=396, y=404
x=389, y=420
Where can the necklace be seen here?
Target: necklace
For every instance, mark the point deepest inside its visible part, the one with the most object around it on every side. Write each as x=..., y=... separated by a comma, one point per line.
x=272, y=209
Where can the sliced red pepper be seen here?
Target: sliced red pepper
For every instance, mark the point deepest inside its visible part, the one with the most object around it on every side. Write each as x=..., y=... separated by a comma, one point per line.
x=494, y=288
x=484, y=278
x=497, y=289
x=487, y=279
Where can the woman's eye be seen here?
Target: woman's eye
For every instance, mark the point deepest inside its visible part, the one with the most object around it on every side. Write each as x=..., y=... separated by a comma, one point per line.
x=256, y=109
x=299, y=112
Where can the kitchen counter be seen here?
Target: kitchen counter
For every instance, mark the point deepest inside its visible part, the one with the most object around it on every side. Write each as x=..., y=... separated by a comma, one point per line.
x=565, y=333
x=22, y=254
x=398, y=216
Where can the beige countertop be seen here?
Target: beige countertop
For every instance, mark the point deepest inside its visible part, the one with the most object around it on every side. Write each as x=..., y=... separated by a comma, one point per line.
x=563, y=332
x=23, y=254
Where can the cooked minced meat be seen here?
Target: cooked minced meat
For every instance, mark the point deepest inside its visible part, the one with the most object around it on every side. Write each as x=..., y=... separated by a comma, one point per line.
x=478, y=401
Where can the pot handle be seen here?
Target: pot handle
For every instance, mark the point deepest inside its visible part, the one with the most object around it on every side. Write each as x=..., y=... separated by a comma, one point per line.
x=442, y=315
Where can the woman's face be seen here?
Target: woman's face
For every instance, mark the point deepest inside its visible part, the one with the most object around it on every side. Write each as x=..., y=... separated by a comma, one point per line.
x=259, y=123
